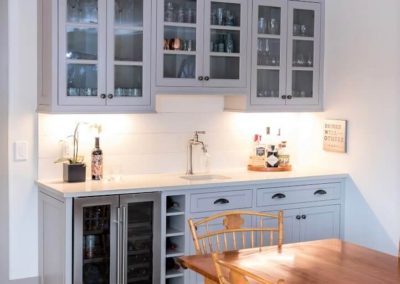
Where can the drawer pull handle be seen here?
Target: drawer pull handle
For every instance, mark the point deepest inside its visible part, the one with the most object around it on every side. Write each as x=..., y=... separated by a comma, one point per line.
x=221, y=201
x=298, y=217
x=278, y=196
x=320, y=192
x=303, y=216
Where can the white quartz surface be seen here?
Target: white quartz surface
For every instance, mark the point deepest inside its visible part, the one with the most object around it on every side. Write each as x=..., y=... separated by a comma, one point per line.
x=162, y=182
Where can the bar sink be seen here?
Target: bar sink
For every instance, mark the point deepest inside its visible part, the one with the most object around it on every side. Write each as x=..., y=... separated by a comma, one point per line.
x=204, y=177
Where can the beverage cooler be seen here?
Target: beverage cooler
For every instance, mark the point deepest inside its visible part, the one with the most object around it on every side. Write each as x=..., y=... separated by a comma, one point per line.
x=116, y=239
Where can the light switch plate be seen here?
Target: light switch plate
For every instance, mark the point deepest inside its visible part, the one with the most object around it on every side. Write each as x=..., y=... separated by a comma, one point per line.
x=20, y=151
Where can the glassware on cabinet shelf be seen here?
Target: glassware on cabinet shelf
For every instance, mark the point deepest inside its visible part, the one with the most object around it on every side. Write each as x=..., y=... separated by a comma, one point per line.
x=82, y=11
x=274, y=27
x=262, y=25
x=303, y=23
x=225, y=14
x=82, y=80
x=129, y=12
x=268, y=83
x=128, y=81
x=81, y=43
x=302, y=84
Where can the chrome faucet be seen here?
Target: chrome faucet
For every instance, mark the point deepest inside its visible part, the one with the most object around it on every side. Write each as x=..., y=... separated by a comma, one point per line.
x=194, y=141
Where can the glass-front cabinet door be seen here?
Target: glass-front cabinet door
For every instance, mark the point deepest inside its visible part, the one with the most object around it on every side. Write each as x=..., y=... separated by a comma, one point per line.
x=82, y=31
x=179, y=42
x=95, y=240
x=269, y=29
x=141, y=238
x=128, y=45
x=303, y=53
x=225, y=28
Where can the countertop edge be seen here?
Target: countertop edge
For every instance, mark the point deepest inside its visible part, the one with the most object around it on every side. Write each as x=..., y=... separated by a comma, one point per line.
x=53, y=190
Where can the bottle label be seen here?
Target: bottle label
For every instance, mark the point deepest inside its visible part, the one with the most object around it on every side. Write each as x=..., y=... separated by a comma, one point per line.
x=97, y=166
x=284, y=160
x=260, y=151
x=272, y=160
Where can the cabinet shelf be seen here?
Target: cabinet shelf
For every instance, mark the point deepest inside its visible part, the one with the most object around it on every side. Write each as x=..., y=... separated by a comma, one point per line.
x=227, y=28
x=172, y=253
x=128, y=27
x=171, y=232
x=262, y=67
x=173, y=273
x=295, y=68
x=180, y=25
x=308, y=38
x=174, y=212
x=81, y=61
x=268, y=36
x=225, y=54
x=82, y=25
x=95, y=260
x=128, y=63
x=180, y=52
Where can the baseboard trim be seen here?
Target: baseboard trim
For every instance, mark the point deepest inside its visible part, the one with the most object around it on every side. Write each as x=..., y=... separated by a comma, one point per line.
x=31, y=280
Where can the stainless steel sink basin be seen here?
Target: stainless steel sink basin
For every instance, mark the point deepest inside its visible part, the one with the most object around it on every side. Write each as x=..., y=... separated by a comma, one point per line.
x=204, y=177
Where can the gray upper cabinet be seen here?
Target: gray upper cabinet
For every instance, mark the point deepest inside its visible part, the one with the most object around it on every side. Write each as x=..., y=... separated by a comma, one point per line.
x=201, y=46
x=286, y=57
x=99, y=59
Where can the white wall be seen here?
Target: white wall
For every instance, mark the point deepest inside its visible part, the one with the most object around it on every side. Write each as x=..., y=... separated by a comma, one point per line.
x=4, y=141
x=22, y=105
x=362, y=85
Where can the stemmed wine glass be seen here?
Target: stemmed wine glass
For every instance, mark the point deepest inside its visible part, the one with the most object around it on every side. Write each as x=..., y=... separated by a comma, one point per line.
x=266, y=53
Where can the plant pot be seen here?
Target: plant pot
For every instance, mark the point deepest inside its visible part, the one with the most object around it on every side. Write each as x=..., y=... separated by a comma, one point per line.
x=74, y=172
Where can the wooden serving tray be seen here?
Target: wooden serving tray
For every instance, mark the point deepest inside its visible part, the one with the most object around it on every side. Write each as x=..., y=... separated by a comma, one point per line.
x=264, y=169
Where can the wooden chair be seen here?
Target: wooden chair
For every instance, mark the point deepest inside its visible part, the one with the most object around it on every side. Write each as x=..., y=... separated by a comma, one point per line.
x=235, y=230
x=228, y=274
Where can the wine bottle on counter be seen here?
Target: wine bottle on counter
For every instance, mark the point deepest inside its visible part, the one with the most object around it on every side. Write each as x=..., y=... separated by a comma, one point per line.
x=97, y=161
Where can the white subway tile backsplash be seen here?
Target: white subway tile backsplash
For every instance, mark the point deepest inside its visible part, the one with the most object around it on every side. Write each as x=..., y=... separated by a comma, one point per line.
x=157, y=143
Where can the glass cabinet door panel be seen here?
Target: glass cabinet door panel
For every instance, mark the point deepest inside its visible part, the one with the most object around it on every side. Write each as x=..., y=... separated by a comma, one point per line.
x=81, y=43
x=303, y=23
x=268, y=83
x=225, y=41
x=303, y=53
x=129, y=12
x=96, y=244
x=269, y=20
x=268, y=52
x=128, y=45
x=179, y=66
x=223, y=67
x=179, y=38
x=302, y=84
x=128, y=81
x=82, y=11
x=225, y=14
x=81, y=80
x=269, y=40
x=140, y=242
x=224, y=51
x=180, y=11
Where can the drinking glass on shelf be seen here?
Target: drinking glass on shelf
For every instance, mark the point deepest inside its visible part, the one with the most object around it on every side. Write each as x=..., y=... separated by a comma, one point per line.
x=273, y=26
x=220, y=16
x=169, y=12
x=190, y=15
x=266, y=53
x=303, y=30
x=262, y=25
x=259, y=51
x=230, y=18
x=296, y=29
x=181, y=15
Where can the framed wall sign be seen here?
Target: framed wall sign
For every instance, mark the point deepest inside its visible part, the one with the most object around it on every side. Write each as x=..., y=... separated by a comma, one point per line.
x=335, y=136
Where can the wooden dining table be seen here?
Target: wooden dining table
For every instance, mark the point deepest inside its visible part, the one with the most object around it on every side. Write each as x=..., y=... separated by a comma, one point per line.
x=323, y=261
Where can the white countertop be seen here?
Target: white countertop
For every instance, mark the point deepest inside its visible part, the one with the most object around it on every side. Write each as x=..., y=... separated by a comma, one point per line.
x=161, y=182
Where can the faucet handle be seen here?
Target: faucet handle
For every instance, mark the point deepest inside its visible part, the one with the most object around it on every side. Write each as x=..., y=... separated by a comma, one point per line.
x=199, y=132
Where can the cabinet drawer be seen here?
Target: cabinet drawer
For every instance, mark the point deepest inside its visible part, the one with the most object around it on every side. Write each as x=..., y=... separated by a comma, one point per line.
x=297, y=194
x=225, y=200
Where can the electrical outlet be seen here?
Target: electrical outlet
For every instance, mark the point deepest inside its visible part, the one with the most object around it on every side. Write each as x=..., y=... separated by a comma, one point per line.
x=20, y=151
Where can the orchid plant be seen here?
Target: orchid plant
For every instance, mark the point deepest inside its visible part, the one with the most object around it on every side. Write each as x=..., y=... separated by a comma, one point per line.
x=76, y=158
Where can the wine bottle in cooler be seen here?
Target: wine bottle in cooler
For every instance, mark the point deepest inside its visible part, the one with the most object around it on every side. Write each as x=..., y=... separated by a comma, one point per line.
x=97, y=161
